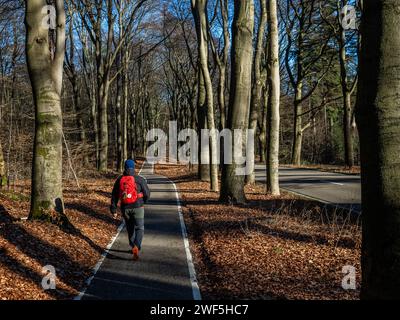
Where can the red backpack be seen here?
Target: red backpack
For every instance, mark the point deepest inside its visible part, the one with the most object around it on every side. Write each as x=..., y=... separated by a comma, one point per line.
x=127, y=190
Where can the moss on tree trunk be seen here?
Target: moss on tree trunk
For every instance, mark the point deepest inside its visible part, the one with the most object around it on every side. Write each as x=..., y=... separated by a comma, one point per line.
x=45, y=69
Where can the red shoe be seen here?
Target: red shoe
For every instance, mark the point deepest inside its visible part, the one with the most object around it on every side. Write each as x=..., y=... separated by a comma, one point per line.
x=135, y=252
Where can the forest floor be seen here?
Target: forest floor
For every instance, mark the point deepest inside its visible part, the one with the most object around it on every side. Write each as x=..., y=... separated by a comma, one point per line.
x=27, y=246
x=272, y=248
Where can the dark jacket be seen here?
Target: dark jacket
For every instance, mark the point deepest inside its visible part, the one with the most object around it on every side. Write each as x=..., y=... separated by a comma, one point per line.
x=141, y=186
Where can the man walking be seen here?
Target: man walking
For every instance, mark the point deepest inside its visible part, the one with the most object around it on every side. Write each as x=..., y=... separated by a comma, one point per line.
x=132, y=192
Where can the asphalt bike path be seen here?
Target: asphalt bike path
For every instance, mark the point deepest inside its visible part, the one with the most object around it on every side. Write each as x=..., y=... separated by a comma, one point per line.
x=165, y=270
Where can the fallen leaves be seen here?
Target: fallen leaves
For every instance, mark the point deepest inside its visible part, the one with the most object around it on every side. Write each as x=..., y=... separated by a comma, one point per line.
x=26, y=246
x=274, y=248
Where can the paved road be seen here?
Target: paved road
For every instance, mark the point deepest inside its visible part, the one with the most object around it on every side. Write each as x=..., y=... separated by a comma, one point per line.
x=162, y=271
x=339, y=189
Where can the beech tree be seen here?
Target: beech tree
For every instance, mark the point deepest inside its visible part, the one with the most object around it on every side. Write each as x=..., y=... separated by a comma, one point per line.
x=221, y=58
x=259, y=79
x=45, y=58
x=232, y=185
x=2, y=167
x=273, y=100
x=73, y=77
x=307, y=45
x=199, y=9
x=347, y=49
x=348, y=84
x=378, y=117
x=106, y=53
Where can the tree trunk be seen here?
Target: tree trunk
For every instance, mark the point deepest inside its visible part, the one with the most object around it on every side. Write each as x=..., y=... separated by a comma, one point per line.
x=79, y=119
x=378, y=118
x=103, y=126
x=348, y=130
x=73, y=78
x=103, y=65
x=298, y=126
x=221, y=97
x=274, y=100
x=199, y=8
x=2, y=167
x=45, y=72
x=203, y=169
x=232, y=190
x=133, y=132
x=95, y=121
x=120, y=158
x=256, y=94
x=347, y=109
x=223, y=63
x=263, y=129
x=125, y=106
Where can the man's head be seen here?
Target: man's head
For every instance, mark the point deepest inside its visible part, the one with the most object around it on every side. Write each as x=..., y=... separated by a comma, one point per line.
x=129, y=165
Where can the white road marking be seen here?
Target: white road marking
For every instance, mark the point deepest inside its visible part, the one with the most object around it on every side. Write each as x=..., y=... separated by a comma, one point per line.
x=192, y=271
x=336, y=183
x=102, y=258
x=99, y=263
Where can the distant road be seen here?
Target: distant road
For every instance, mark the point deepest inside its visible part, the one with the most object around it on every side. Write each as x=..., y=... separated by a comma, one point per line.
x=334, y=188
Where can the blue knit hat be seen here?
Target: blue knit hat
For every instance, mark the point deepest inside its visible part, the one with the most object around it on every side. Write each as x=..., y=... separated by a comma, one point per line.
x=129, y=164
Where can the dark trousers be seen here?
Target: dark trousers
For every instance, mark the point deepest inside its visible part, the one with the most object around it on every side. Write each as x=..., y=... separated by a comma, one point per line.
x=134, y=220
